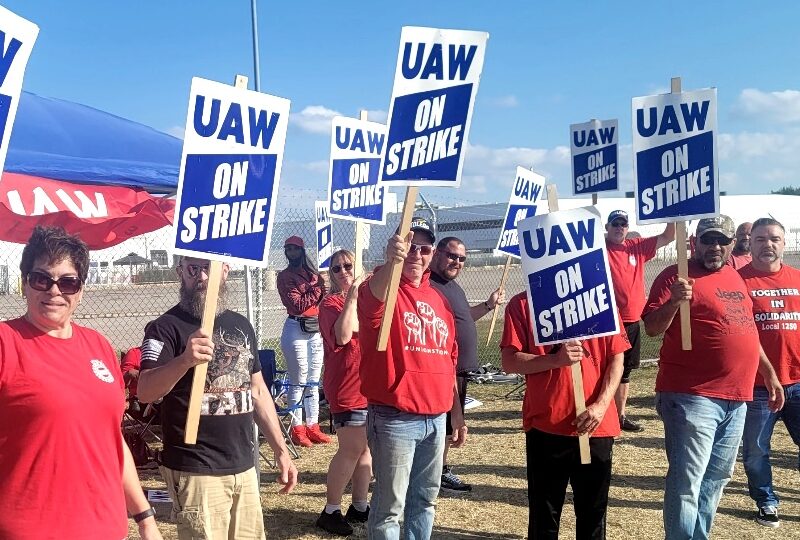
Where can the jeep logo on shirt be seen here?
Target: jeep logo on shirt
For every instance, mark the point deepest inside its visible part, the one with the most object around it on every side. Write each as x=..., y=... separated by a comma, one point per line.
x=730, y=296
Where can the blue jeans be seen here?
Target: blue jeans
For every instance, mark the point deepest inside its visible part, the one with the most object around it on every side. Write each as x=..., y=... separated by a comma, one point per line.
x=758, y=427
x=407, y=463
x=702, y=438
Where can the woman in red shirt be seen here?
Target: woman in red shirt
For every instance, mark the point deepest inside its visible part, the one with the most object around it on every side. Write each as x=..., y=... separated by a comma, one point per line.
x=339, y=324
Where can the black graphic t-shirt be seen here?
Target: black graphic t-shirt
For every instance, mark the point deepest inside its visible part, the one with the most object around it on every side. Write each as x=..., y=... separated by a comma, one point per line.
x=225, y=435
x=466, y=333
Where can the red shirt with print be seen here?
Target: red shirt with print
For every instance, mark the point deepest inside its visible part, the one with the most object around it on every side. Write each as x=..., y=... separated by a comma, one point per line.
x=739, y=261
x=776, y=309
x=416, y=373
x=341, y=378
x=549, y=404
x=724, y=357
x=61, y=457
x=300, y=290
x=626, y=262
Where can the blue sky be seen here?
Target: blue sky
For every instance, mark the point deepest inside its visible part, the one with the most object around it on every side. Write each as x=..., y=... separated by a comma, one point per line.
x=548, y=64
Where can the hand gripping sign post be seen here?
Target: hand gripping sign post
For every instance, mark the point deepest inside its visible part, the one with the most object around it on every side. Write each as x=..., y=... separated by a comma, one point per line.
x=324, y=235
x=435, y=84
x=675, y=166
x=570, y=292
x=17, y=36
x=231, y=164
x=527, y=195
x=594, y=157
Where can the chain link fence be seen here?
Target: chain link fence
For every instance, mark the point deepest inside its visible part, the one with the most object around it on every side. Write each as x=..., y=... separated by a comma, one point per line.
x=134, y=282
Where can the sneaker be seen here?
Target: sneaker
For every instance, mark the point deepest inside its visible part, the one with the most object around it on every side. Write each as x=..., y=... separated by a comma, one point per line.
x=768, y=517
x=334, y=523
x=626, y=424
x=355, y=516
x=452, y=483
x=315, y=435
x=299, y=436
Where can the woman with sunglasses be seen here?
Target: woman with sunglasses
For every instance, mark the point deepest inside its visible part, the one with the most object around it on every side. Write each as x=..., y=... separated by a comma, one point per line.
x=64, y=468
x=301, y=289
x=339, y=323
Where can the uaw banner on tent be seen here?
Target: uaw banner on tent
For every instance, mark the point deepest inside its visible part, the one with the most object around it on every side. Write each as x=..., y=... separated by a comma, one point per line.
x=565, y=267
x=231, y=165
x=675, y=156
x=594, y=156
x=354, y=192
x=527, y=199
x=324, y=235
x=18, y=36
x=435, y=84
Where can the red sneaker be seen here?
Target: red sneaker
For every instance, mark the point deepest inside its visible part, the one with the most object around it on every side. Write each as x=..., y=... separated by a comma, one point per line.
x=300, y=436
x=316, y=435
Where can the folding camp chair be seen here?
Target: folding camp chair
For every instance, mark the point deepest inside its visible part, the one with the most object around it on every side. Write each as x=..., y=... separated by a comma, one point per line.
x=138, y=425
x=278, y=384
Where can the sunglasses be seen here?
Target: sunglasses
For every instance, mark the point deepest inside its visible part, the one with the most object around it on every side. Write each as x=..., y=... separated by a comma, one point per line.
x=40, y=281
x=338, y=268
x=423, y=249
x=453, y=257
x=194, y=269
x=711, y=240
x=619, y=224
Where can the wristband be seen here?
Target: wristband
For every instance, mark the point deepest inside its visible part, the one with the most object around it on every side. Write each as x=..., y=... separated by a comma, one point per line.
x=488, y=307
x=141, y=516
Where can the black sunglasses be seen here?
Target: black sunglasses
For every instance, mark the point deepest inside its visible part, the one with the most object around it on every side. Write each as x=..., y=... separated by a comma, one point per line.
x=194, y=269
x=619, y=224
x=423, y=249
x=711, y=240
x=453, y=256
x=40, y=281
x=338, y=268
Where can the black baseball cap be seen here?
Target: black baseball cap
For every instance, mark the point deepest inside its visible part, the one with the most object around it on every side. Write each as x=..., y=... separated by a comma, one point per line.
x=617, y=214
x=420, y=224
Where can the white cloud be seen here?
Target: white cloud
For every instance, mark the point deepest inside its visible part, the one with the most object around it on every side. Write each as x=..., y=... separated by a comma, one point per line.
x=505, y=102
x=782, y=106
x=378, y=116
x=314, y=119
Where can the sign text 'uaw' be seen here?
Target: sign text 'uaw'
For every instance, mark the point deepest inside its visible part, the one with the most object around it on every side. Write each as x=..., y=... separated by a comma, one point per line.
x=17, y=36
x=353, y=189
x=435, y=84
x=324, y=234
x=566, y=272
x=528, y=198
x=232, y=155
x=675, y=156
x=594, y=156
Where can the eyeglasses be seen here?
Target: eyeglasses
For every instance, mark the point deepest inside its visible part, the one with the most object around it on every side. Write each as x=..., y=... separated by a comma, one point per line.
x=422, y=248
x=619, y=224
x=194, y=269
x=338, y=268
x=711, y=240
x=453, y=256
x=40, y=281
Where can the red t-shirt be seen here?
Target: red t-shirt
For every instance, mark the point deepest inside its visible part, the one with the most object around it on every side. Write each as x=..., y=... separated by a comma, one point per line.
x=626, y=262
x=724, y=357
x=417, y=371
x=132, y=360
x=341, y=378
x=61, y=455
x=739, y=261
x=776, y=309
x=549, y=404
x=300, y=290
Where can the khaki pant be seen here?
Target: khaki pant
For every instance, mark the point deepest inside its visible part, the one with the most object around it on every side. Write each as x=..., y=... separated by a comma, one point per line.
x=225, y=507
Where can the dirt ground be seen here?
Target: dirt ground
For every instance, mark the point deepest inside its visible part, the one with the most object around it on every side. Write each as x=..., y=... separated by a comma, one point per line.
x=493, y=461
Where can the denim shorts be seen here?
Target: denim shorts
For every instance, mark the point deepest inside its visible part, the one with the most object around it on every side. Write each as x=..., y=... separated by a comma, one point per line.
x=353, y=418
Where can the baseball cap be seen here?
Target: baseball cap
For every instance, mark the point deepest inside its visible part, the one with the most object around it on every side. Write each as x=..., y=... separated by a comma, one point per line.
x=294, y=241
x=419, y=223
x=617, y=214
x=721, y=224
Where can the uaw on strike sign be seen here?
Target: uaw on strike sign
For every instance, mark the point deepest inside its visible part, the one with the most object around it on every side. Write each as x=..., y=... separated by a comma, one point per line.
x=435, y=84
x=675, y=156
x=17, y=36
x=565, y=266
x=232, y=155
x=527, y=199
x=594, y=156
x=324, y=234
x=353, y=189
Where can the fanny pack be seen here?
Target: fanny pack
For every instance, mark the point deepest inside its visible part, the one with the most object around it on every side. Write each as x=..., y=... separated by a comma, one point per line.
x=309, y=325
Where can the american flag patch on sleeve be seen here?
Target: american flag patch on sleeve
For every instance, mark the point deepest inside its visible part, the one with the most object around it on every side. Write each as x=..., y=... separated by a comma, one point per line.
x=151, y=350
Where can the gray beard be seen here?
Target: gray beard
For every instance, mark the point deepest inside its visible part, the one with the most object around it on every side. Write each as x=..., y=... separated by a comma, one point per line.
x=193, y=300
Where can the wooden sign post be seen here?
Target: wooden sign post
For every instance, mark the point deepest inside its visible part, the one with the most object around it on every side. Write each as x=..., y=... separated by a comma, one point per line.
x=577, y=374
x=683, y=263
x=497, y=306
x=358, y=260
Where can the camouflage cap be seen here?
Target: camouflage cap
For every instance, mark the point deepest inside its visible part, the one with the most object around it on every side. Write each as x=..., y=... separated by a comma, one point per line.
x=721, y=224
